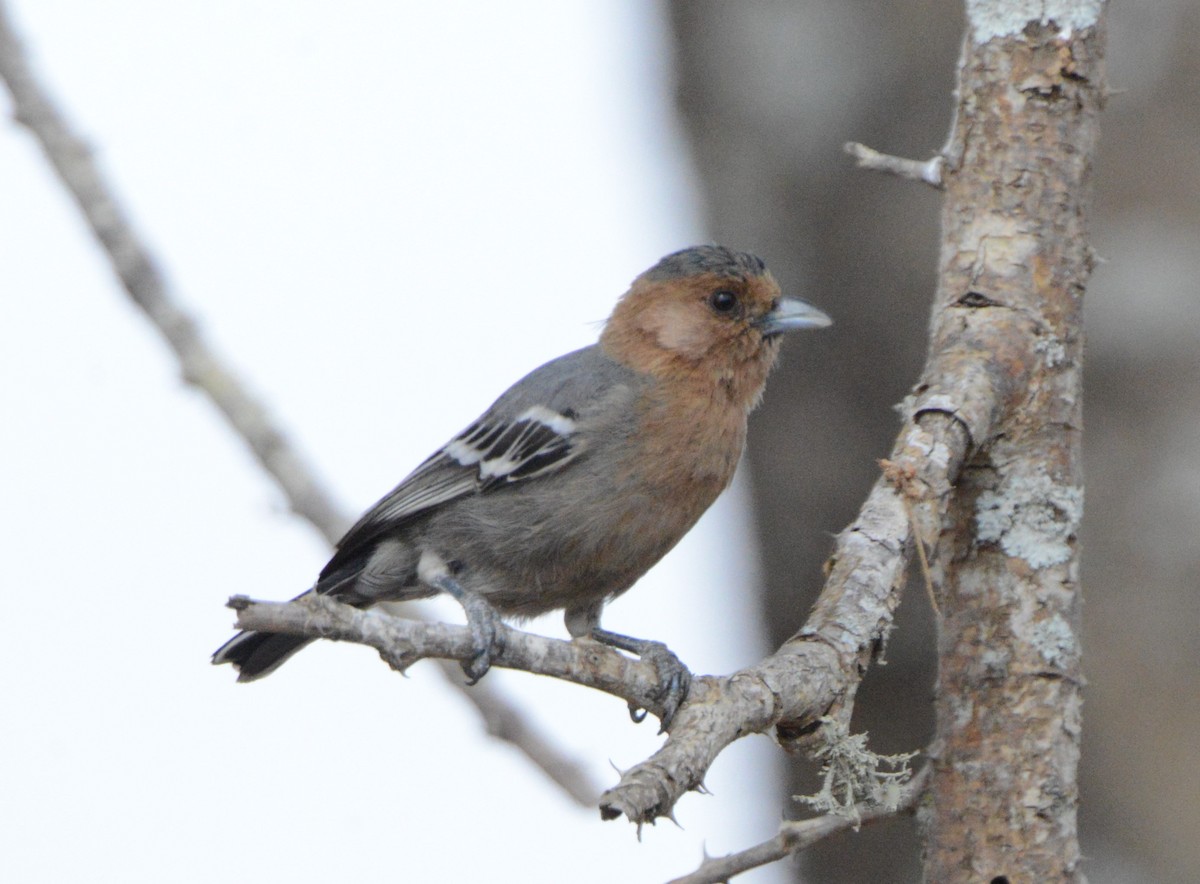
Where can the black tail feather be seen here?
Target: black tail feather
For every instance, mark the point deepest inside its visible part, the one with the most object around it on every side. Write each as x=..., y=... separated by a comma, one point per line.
x=255, y=654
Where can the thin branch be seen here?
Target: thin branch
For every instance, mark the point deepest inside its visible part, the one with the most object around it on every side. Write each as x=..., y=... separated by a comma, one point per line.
x=797, y=835
x=926, y=574
x=929, y=171
x=139, y=273
x=903, y=481
x=144, y=282
x=402, y=642
x=506, y=722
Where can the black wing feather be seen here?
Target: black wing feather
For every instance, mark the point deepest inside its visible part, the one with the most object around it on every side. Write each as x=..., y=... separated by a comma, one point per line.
x=487, y=455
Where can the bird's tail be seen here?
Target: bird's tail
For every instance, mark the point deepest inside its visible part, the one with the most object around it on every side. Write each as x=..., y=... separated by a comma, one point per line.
x=255, y=654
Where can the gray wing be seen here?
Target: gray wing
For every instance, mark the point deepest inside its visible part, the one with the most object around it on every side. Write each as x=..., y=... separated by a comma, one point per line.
x=530, y=432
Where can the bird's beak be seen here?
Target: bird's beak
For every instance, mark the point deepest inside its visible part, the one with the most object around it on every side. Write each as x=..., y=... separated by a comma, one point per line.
x=790, y=314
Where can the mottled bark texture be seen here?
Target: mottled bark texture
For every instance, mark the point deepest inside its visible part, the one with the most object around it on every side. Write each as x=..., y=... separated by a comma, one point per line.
x=1014, y=264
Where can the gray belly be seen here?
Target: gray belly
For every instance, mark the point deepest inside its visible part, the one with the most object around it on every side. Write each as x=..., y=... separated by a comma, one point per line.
x=533, y=553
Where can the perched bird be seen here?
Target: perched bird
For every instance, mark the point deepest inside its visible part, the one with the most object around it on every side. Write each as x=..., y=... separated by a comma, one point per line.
x=583, y=474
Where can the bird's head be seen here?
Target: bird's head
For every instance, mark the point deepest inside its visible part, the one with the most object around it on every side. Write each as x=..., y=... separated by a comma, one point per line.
x=709, y=315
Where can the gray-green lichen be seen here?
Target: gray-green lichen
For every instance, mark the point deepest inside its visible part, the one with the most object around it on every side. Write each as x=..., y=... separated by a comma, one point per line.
x=1003, y=18
x=1031, y=517
x=1054, y=639
x=1053, y=351
x=852, y=776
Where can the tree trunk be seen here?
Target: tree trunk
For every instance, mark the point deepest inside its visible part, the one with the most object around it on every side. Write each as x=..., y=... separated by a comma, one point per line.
x=1015, y=248
x=1004, y=793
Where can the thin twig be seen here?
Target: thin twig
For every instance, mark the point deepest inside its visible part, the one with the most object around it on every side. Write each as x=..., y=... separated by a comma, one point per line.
x=144, y=282
x=922, y=557
x=139, y=273
x=402, y=642
x=905, y=483
x=797, y=835
x=929, y=171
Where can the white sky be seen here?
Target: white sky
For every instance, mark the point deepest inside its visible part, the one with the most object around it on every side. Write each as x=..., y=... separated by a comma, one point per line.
x=383, y=213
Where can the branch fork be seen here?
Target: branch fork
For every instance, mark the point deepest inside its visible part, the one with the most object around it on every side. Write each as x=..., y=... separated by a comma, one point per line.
x=812, y=677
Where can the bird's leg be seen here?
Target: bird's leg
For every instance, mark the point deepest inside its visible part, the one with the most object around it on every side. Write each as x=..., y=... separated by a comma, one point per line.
x=482, y=620
x=673, y=677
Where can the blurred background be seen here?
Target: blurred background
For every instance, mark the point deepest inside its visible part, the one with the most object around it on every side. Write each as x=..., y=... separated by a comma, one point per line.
x=383, y=214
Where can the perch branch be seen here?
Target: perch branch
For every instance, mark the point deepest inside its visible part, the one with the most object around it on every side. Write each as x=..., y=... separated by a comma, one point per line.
x=402, y=642
x=71, y=158
x=979, y=365
x=975, y=372
x=797, y=835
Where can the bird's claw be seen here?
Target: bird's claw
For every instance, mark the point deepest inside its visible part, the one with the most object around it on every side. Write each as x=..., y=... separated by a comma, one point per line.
x=483, y=622
x=674, y=678
x=477, y=667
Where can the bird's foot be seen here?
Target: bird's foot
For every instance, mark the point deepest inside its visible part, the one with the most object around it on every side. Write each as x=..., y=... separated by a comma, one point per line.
x=484, y=623
x=673, y=677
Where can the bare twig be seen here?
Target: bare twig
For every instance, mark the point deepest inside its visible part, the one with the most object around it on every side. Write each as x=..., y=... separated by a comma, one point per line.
x=506, y=722
x=923, y=558
x=71, y=158
x=797, y=835
x=903, y=483
x=402, y=642
x=138, y=271
x=929, y=171
x=142, y=279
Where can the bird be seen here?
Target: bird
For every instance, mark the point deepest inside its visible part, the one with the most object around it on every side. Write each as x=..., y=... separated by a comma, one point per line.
x=582, y=475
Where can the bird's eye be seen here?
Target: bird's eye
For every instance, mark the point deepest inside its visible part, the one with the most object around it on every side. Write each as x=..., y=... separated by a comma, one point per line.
x=723, y=302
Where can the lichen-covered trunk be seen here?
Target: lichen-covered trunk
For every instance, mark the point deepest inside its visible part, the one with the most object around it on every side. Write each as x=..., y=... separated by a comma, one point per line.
x=1004, y=795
